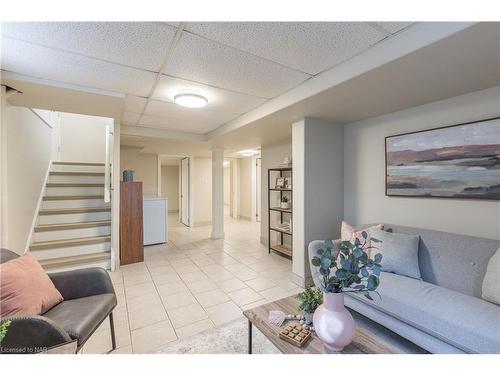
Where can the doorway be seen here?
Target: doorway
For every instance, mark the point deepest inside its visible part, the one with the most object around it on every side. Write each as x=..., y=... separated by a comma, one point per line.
x=184, y=204
x=258, y=195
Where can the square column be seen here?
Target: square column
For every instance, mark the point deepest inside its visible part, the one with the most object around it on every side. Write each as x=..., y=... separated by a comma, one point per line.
x=217, y=193
x=318, y=189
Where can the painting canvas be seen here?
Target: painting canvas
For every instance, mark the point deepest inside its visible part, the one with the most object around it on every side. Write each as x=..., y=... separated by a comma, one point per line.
x=459, y=161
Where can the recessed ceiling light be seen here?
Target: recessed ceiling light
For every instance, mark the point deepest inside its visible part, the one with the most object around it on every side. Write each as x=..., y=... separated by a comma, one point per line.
x=190, y=100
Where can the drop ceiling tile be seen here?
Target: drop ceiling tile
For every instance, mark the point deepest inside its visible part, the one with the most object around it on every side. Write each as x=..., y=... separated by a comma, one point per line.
x=176, y=125
x=174, y=111
x=310, y=47
x=130, y=117
x=218, y=99
x=393, y=27
x=134, y=104
x=201, y=60
x=41, y=62
x=138, y=44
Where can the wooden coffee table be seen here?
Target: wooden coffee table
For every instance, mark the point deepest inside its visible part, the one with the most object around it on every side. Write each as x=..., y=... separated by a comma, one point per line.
x=364, y=342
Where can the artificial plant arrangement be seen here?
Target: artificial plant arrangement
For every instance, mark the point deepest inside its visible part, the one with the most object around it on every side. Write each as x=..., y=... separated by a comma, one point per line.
x=347, y=268
x=3, y=329
x=310, y=299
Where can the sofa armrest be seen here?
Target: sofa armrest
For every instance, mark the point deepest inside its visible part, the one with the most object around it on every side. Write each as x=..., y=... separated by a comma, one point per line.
x=82, y=283
x=312, y=250
x=32, y=334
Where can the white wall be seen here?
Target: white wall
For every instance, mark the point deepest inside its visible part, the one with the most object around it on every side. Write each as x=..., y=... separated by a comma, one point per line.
x=246, y=191
x=271, y=156
x=145, y=167
x=365, y=200
x=201, y=197
x=170, y=186
x=28, y=147
x=83, y=138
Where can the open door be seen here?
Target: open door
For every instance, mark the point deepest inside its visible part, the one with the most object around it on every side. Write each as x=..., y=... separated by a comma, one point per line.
x=185, y=191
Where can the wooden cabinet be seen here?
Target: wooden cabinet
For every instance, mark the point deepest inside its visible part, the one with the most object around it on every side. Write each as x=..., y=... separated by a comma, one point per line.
x=131, y=228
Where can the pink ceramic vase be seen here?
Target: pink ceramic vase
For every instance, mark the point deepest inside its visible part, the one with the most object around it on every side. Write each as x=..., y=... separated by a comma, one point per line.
x=333, y=324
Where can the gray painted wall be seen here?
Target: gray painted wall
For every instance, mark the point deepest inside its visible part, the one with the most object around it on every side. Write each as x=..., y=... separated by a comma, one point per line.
x=364, y=170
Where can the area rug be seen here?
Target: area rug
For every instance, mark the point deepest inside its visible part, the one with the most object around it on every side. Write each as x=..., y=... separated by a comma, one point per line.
x=231, y=338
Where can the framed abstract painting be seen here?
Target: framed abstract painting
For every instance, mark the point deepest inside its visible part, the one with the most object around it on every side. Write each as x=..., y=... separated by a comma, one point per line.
x=458, y=161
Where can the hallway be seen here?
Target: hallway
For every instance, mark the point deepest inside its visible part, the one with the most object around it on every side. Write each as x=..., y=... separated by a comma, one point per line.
x=191, y=284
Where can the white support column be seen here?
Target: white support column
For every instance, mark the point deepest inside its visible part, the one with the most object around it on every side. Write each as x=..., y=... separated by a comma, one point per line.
x=217, y=193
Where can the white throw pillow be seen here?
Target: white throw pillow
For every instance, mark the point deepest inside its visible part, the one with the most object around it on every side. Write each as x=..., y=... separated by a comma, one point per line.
x=399, y=252
x=491, y=282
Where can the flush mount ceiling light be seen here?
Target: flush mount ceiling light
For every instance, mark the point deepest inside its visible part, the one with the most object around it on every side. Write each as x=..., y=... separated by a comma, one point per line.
x=248, y=152
x=190, y=100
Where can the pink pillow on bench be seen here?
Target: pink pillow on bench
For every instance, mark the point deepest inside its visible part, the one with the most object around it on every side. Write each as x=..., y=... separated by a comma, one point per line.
x=25, y=288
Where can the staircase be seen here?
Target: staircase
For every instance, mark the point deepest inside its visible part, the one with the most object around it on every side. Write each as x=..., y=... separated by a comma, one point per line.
x=73, y=227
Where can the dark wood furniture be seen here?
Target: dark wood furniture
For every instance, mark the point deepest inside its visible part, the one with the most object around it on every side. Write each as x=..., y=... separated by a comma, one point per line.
x=274, y=210
x=364, y=342
x=131, y=227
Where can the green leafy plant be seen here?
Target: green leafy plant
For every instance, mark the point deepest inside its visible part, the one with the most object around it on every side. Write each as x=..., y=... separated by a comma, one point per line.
x=310, y=299
x=3, y=329
x=347, y=268
x=284, y=199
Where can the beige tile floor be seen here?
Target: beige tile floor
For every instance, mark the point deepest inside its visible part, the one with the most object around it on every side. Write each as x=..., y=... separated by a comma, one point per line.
x=191, y=284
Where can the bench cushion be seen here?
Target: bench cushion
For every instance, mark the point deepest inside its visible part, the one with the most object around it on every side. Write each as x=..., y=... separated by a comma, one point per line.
x=466, y=322
x=80, y=317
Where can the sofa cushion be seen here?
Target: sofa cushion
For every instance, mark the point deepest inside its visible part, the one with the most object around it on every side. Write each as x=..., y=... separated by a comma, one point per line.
x=80, y=317
x=491, y=282
x=399, y=252
x=25, y=288
x=466, y=322
x=450, y=260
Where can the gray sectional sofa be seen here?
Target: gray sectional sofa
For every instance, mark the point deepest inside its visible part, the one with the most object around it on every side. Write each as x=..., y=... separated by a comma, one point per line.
x=443, y=312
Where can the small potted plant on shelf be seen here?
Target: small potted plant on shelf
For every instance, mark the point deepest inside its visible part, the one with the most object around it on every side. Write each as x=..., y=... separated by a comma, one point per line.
x=342, y=267
x=285, y=204
x=309, y=299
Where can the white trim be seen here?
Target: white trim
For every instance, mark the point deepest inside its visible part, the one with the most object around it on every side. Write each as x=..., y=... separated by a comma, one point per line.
x=63, y=85
x=38, y=206
x=407, y=41
x=144, y=131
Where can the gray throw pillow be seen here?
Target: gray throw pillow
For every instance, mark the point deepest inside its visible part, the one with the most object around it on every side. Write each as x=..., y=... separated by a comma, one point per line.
x=399, y=252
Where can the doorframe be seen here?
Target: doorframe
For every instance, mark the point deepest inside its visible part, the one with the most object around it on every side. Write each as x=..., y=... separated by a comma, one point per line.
x=189, y=179
x=258, y=188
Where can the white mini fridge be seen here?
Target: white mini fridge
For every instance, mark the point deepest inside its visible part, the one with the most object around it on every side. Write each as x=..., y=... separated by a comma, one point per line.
x=155, y=219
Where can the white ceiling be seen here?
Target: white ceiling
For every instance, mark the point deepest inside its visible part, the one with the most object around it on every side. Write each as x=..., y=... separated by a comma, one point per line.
x=237, y=66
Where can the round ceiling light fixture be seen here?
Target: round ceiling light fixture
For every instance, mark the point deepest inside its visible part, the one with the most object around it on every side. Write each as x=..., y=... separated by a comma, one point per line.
x=190, y=100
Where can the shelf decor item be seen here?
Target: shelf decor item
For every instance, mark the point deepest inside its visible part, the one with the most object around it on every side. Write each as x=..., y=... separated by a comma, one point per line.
x=284, y=202
x=128, y=175
x=339, y=268
x=279, y=199
x=280, y=183
x=309, y=299
x=458, y=161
